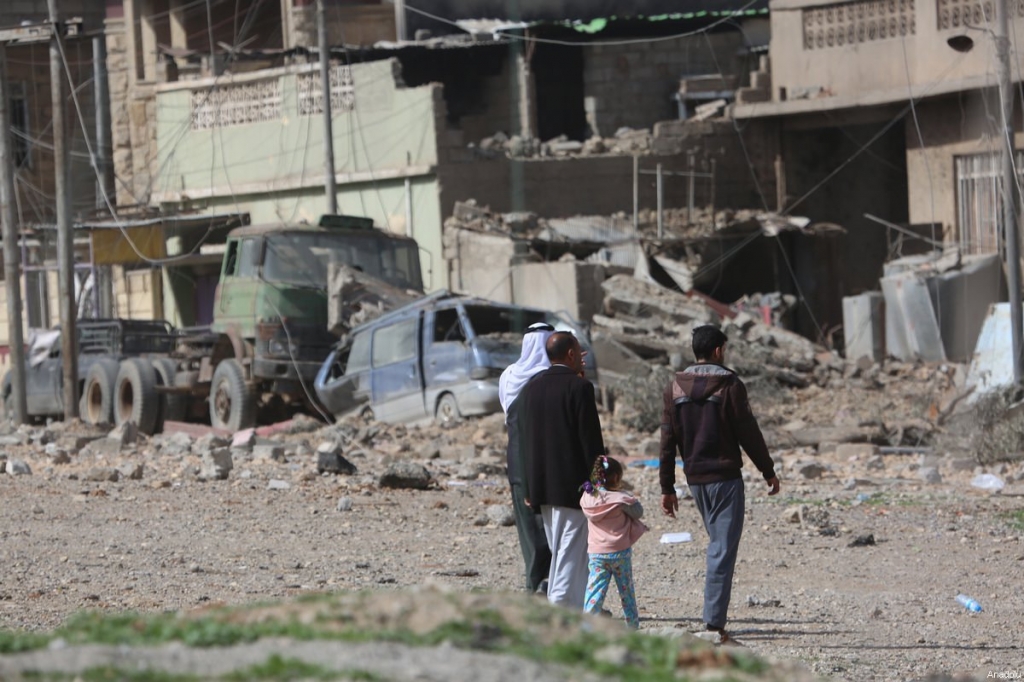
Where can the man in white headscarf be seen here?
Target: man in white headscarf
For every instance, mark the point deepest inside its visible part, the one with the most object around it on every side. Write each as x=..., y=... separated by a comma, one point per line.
x=532, y=541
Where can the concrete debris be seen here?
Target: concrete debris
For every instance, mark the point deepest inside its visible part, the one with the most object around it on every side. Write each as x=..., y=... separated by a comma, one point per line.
x=17, y=467
x=278, y=484
x=125, y=434
x=344, y=504
x=625, y=141
x=102, y=475
x=264, y=451
x=501, y=515
x=406, y=475
x=216, y=464
x=332, y=462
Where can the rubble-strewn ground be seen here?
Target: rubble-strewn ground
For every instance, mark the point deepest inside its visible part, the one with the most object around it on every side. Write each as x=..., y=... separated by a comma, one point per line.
x=878, y=609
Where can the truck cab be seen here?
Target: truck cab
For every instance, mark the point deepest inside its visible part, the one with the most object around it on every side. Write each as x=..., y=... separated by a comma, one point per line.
x=272, y=304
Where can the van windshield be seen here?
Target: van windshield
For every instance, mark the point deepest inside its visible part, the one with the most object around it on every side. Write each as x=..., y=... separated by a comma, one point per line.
x=302, y=258
x=506, y=323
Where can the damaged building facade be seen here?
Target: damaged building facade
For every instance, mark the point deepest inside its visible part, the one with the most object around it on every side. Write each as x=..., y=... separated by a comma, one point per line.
x=418, y=124
x=877, y=114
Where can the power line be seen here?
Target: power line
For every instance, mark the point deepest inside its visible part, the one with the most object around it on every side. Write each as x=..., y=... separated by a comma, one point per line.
x=728, y=16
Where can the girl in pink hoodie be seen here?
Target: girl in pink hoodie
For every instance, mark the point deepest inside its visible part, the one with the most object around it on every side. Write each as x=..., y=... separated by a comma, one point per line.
x=613, y=520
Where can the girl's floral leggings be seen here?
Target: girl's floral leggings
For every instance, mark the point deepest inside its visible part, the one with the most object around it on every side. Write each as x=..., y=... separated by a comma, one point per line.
x=602, y=568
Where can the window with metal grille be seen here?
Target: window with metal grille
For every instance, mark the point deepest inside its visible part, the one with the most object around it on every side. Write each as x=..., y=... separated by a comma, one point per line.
x=979, y=200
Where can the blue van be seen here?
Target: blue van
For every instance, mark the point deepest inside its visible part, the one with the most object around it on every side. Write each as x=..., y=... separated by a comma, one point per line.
x=439, y=357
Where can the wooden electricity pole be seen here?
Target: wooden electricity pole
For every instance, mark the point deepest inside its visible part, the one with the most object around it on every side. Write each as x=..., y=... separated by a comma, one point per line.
x=27, y=33
x=65, y=238
x=12, y=260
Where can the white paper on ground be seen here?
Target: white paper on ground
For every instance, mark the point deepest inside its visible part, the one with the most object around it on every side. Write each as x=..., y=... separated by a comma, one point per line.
x=669, y=538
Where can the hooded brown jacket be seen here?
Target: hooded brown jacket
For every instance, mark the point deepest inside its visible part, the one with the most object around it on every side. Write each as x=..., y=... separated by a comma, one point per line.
x=706, y=419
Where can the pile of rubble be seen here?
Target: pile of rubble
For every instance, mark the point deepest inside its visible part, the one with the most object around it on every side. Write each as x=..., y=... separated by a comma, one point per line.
x=626, y=142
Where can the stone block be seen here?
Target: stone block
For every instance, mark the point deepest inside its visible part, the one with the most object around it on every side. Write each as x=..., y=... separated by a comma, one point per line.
x=855, y=451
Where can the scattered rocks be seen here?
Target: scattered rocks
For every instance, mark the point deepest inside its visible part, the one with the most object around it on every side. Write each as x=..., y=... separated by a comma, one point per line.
x=406, y=475
x=17, y=467
x=127, y=433
x=268, y=451
x=863, y=541
x=102, y=475
x=330, y=460
x=929, y=475
x=216, y=464
x=810, y=471
x=501, y=515
x=278, y=484
x=344, y=504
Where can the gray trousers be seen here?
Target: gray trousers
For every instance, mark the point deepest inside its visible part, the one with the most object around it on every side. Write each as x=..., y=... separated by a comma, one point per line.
x=532, y=539
x=567, y=533
x=721, y=507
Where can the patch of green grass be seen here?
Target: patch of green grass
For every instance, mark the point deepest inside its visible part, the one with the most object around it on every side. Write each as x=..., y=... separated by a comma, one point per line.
x=112, y=674
x=1015, y=519
x=15, y=641
x=280, y=669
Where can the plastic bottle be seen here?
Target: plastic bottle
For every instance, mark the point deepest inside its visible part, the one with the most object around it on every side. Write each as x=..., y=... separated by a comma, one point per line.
x=968, y=603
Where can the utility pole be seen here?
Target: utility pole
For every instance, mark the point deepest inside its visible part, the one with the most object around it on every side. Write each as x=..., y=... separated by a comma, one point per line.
x=330, y=182
x=401, y=30
x=65, y=238
x=12, y=265
x=101, y=92
x=1010, y=227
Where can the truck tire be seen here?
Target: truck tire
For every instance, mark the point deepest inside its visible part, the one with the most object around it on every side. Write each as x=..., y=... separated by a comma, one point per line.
x=232, y=402
x=96, y=406
x=170, y=406
x=135, y=396
x=447, y=411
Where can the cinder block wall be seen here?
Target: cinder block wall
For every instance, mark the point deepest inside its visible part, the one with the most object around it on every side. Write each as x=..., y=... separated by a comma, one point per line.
x=633, y=84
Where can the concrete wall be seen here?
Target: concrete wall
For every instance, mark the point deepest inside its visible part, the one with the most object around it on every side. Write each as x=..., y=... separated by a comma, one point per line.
x=389, y=129
x=602, y=185
x=570, y=287
x=950, y=126
x=911, y=54
x=632, y=85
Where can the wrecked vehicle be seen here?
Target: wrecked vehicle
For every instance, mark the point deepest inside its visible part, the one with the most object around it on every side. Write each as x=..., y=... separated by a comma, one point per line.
x=439, y=357
x=120, y=365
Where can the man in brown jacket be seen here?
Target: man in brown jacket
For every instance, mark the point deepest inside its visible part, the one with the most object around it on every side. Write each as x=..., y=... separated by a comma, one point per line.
x=706, y=419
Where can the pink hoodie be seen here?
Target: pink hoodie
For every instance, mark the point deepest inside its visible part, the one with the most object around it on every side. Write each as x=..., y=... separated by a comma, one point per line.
x=610, y=528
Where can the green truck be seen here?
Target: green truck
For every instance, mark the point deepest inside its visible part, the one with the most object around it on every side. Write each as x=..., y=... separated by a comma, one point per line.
x=257, y=361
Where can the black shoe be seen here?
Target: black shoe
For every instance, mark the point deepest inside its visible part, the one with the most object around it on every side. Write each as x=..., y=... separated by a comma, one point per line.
x=542, y=589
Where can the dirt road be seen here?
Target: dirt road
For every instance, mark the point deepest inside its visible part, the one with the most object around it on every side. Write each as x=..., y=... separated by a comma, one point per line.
x=170, y=541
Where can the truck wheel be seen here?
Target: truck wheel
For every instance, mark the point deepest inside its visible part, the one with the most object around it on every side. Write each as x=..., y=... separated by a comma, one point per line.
x=135, y=396
x=232, y=402
x=96, y=405
x=447, y=411
x=170, y=406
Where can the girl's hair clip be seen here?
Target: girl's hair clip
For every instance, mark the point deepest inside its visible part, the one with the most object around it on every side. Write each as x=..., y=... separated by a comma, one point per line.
x=604, y=463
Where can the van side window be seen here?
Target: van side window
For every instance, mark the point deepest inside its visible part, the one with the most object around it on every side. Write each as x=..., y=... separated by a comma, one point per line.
x=359, y=355
x=447, y=326
x=395, y=343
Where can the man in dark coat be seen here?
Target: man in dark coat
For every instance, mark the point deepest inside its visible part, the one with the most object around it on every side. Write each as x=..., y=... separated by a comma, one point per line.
x=532, y=540
x=560, y=436
x=706, y=418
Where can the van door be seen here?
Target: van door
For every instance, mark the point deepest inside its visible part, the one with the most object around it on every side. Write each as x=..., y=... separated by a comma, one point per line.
x=343, y=384
x=445, y=353
x=396, y=380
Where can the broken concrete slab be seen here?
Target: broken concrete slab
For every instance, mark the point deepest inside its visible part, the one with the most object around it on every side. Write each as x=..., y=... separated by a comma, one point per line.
x=406, y=475
x=626, y=295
